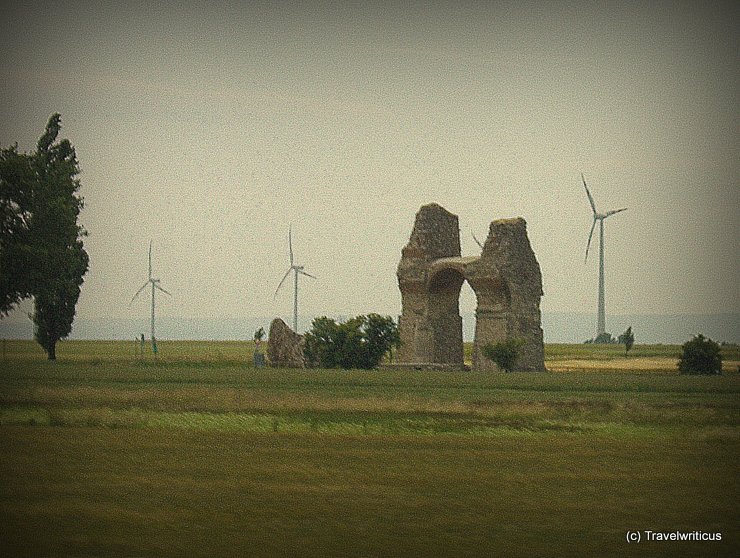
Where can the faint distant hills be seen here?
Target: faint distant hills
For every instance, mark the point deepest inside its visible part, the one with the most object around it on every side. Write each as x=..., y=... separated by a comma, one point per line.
x=559, y=327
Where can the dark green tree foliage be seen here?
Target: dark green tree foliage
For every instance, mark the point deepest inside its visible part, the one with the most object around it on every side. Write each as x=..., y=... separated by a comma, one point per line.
x=382, y=336
x=360, y=342
x=627, y=339
x=57, y=238
x=504, y=354
x=323, y=343
x=701, y=355
x=41, y=249
x=16, y=195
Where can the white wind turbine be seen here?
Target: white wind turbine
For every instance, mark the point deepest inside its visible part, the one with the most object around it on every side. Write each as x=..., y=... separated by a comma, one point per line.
x=296, y=269
x=601, y=313
x=155, y=285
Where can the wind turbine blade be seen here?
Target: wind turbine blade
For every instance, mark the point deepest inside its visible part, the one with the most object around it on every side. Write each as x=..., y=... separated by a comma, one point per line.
x=478, y=242
x=161, y=289
x=588, y=244
x=613, y=211
x=150, y=259
x=590, y=199
x=283, y=280
x=290, y=243
x=138, y=292
x=306, y=274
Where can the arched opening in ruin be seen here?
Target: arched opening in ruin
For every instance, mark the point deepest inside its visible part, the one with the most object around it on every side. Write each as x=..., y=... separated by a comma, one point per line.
x=468, y=306
x=493, y=317
x=491, y=302
x=450, y=299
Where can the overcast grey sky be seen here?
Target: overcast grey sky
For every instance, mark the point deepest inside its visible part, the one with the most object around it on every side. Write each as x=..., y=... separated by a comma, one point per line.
x=209, y=128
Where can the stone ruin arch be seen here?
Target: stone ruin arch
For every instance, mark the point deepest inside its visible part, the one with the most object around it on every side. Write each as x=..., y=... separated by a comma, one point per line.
x=505, y=278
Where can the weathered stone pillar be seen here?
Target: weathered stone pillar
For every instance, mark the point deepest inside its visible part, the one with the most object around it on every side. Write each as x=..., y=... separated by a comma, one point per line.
x=508, y=283
x=436, y=234
x=443, y=312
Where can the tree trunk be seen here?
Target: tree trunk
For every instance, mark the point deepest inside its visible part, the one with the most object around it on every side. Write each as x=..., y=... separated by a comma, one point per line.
x=52, y=351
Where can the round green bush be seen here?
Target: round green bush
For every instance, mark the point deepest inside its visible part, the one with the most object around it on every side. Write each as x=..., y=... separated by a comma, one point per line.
x=701, y=355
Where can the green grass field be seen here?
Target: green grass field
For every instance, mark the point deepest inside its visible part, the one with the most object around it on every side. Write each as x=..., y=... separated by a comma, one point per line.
x=196, y=453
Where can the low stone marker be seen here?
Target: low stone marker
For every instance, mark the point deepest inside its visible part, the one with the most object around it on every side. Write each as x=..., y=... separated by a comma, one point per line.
x=284, y=346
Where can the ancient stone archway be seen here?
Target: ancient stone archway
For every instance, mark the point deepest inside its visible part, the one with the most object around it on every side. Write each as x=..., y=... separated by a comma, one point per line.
x=506, y=280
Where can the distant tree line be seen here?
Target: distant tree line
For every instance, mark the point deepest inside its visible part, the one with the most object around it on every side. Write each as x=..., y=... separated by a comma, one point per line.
x=41, y=250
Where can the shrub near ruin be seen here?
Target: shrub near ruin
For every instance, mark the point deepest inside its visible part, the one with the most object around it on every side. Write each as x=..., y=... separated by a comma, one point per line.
x=504, y=354
x=701, y=355
x=360, y=342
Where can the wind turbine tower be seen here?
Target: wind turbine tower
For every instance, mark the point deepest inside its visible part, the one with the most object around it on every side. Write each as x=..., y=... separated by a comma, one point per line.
x=600, y=217
x=296, y=269
x=155, y=285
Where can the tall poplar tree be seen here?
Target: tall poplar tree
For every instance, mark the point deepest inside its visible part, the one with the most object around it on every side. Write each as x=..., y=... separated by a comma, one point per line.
x=41, y=240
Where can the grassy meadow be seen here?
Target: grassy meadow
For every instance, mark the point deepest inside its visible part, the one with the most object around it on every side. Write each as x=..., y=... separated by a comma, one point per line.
x=195, y=453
